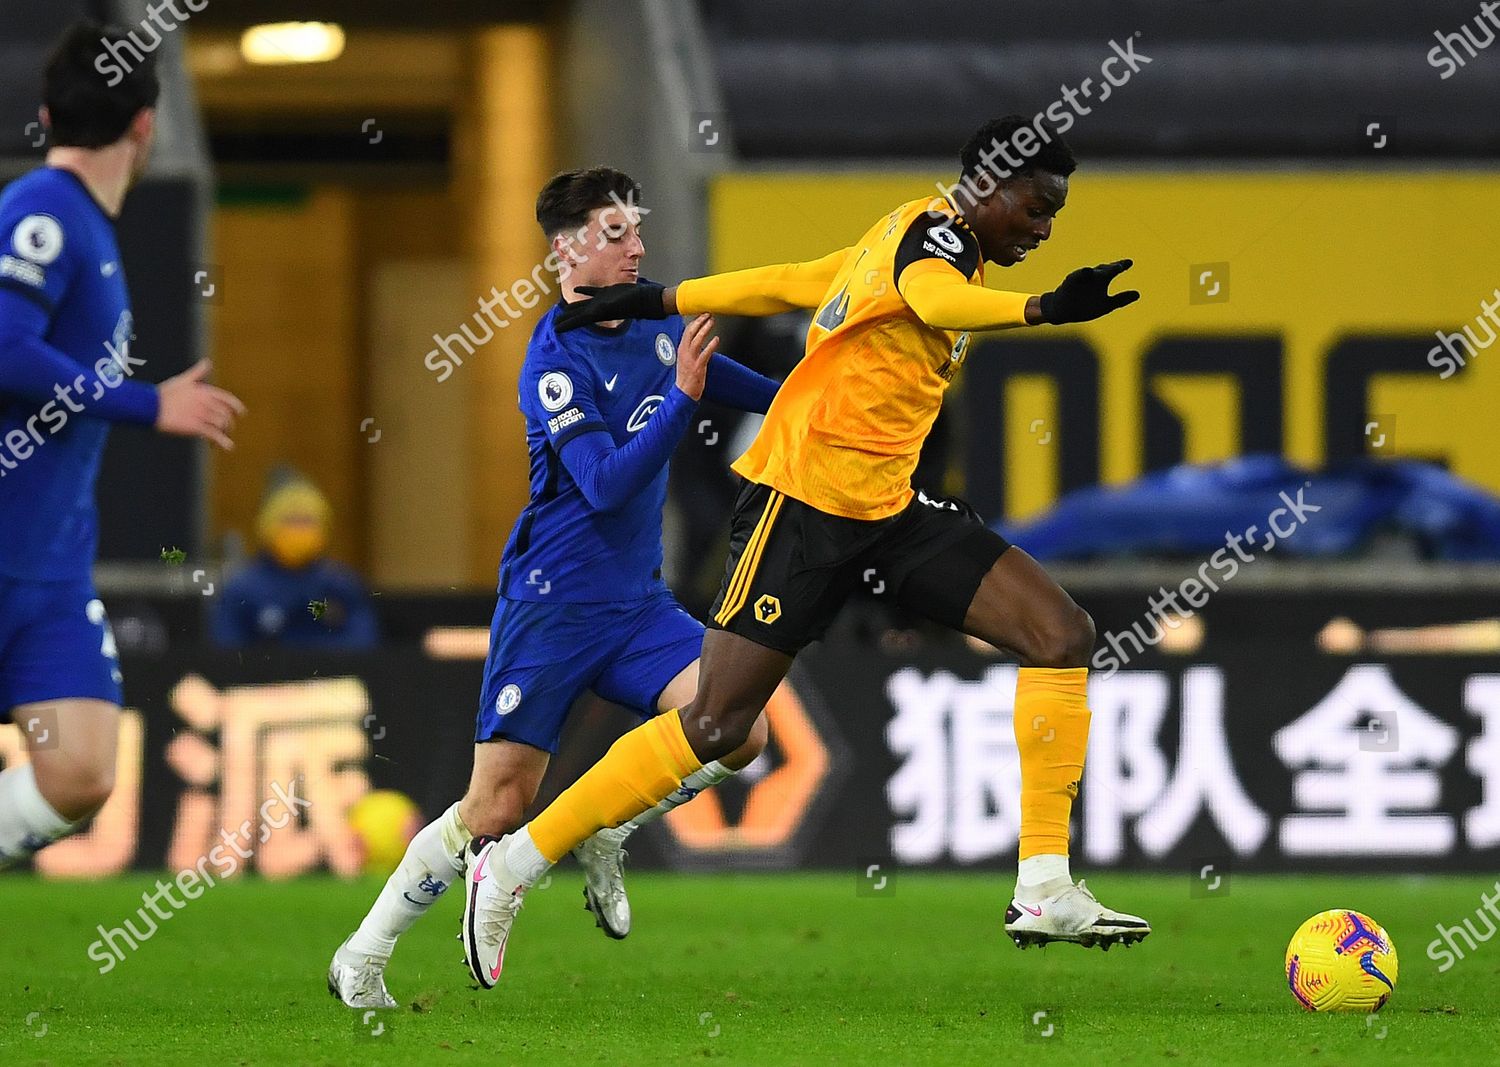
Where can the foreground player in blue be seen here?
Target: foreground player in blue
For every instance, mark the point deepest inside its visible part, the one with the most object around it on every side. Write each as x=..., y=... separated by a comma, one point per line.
x=66, y=373
x=582, y=602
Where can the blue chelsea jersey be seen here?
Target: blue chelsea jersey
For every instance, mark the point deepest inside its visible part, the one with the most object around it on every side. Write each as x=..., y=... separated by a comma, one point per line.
x=58, y=259
x=562, y=549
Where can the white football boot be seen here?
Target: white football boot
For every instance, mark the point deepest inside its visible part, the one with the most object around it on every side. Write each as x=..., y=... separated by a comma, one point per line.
x=358, y=981
x=492, y=897
x=604, y=885
x=1075, y=915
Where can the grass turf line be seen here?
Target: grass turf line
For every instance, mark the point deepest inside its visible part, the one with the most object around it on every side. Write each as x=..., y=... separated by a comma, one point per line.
x=752, y=969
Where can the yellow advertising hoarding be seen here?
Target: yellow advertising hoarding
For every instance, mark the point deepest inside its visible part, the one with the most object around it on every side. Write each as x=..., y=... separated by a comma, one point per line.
x=1290, y=309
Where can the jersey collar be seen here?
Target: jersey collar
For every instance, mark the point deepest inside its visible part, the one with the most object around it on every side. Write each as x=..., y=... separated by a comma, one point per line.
x=958, y=216
x=86, y=192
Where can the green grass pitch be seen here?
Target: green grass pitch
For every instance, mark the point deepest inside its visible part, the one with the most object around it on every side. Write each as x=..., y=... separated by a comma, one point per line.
x=743, y=969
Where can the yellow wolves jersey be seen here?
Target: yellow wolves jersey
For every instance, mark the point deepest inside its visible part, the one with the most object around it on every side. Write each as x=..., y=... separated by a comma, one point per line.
x=847, y=425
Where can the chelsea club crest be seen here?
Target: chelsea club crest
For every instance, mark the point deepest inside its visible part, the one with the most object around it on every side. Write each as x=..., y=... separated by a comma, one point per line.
x=666, y=351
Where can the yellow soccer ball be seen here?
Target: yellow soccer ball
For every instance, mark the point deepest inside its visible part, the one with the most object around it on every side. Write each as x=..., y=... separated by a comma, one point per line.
x=383, y=822
x=1341, y=960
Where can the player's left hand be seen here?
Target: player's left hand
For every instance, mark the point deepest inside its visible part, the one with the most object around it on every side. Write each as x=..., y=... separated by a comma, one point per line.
x=1084, y=294
x=637, y=300
x=190, y=407
x=694, y=351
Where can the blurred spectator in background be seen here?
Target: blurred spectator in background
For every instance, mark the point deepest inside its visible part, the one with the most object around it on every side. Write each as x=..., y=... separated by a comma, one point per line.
x=291, y=592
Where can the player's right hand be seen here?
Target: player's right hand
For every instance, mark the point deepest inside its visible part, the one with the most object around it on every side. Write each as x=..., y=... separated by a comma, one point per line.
x=693, y=353
x=190, y=407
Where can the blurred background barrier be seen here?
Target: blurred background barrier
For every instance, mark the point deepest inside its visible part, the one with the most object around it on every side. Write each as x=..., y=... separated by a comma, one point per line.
x=1268, y=732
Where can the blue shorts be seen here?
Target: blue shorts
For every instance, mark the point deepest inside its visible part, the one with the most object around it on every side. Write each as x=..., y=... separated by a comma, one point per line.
x=543, y=656
x=55, y=644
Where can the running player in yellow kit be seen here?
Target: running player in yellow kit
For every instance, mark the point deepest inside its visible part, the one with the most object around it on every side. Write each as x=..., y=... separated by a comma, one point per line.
x=827, y=495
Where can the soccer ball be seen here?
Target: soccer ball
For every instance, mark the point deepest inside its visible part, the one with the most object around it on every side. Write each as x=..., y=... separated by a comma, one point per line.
x=383, y=823
x=1341, y=960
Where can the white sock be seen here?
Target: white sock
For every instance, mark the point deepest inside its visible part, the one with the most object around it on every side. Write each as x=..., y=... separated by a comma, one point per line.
x=28, y=823
x=1039, y=877
x=706, y=777
x=524, y=859
x=433, y=860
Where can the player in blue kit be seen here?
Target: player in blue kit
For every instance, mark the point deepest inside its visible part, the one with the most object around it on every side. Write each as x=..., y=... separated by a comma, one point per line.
x=66, y=373
x=582, y=604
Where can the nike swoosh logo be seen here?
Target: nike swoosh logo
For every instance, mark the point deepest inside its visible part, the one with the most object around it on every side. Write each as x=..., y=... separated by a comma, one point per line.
x=499, y=962
x=1035, y=911
x=479, y=871
x=609, y=386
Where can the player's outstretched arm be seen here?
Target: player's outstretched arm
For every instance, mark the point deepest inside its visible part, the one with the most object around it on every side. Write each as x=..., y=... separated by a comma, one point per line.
x=943, y=298
x=190, y=407
x=33, y=370
x=757, y=291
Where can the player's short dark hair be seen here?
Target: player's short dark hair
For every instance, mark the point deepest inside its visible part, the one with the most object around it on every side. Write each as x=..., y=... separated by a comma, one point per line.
x=1051, y=154
x=97, y=81
x=565, y=202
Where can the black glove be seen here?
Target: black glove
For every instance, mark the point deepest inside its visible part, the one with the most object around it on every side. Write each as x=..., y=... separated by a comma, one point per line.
x=1084, y=294
x=640, y=300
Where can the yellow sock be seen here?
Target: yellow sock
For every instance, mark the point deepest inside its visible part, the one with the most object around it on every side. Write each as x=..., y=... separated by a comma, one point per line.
x=1052, y=734
x=639, y=771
